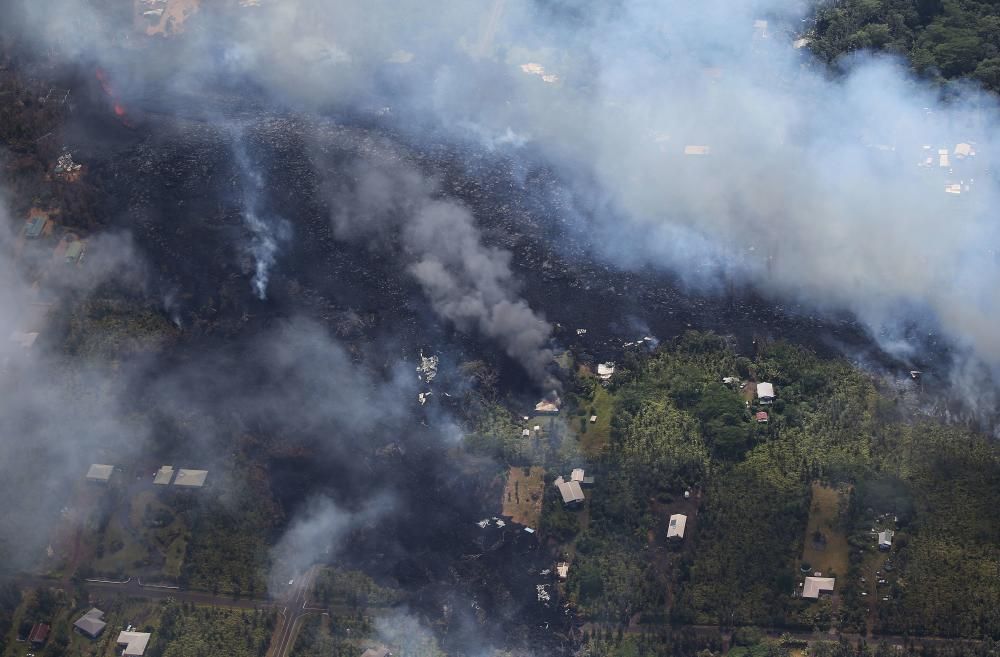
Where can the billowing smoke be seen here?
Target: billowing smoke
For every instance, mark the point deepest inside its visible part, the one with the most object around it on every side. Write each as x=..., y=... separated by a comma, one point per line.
x=469, y=283
x=692, y=137
x=314, y=536
x=266, y=231
x=57, y=414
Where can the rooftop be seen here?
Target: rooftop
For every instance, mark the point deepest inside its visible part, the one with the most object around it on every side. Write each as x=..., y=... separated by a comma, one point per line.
x=676, y=527
x=164, y=475
x=765, y=391
x=39, y=633
x=191, y=478
x=100, y=472
x=570, y=491
x=91, y=623
x=135, y=643
x=816, y=585
x=546, y=407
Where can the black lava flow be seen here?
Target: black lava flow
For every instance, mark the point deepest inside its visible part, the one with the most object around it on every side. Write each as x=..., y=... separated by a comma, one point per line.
x=171, y=180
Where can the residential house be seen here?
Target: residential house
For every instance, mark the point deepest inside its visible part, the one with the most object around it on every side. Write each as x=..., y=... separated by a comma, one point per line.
x=39, y=634
x=91, y=623
x=572, y=494
x=885, y=540
x=134, y=642
x=100, y=473
x=816, y=585
x=765, y=393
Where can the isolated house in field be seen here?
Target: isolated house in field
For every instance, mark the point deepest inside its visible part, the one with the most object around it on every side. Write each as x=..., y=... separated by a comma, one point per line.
x=546, y=407
x=190, y=478
x=885, y=540
x=605, y=371
x=100, y=473
x=675, y=529
x=91, y=623
x=572, y=494
x=765, y=393
x=39, y=635
x=164, y=475
x=134, y=642
x=816, y=585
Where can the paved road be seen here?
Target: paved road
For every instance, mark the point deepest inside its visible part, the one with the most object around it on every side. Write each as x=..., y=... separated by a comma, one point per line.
x=134, y=588
x=295, y=608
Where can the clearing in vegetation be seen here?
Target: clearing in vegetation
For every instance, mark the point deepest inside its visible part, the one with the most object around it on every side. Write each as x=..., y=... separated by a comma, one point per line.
x=522, y=496
x=825, y=546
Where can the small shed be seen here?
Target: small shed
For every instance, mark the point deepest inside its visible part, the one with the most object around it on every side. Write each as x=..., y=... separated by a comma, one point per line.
x=164, y=475
x=576, y=475
x=593, y=419
x=761, y=417
x=675, y=529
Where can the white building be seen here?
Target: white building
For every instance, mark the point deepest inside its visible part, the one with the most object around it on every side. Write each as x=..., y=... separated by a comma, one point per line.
x=576, y=475
x=816, y=585
x=190, y=478
x=100, y=473
x=676, y=527
x=765, y=393
x=135, y=643
x=605, y=371
x=885, y=540
x=164, y=475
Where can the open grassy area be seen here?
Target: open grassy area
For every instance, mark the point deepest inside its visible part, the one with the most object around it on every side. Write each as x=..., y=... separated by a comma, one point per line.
x=595, y=439
x=522, y=496
x=829, y=554
x=119, y=552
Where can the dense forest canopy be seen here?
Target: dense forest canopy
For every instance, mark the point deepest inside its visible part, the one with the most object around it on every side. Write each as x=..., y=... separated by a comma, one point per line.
x=943, y=39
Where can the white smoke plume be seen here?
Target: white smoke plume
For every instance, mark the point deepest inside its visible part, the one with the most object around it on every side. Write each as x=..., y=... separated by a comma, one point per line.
x=467, y=282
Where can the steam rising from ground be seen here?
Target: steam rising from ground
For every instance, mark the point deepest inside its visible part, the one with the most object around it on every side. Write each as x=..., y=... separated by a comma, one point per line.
x=468, y=283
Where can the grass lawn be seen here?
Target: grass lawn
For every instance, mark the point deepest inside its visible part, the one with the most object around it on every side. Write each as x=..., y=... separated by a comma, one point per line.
x=120, y=550
x=828, y=556
x=595, y=439
x=162, y=529
x=522, y=496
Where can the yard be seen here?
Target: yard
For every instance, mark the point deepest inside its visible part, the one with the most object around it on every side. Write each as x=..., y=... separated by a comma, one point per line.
x=594, y=437
x=522, y=496
x=825, y=546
